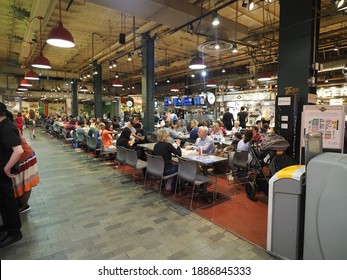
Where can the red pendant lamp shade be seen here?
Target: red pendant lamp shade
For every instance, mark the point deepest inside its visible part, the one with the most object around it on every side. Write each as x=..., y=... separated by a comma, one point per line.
x=31, y=75
x=40, y=61
x=211, y=83
x=60, y=36
x=117, y=83
x=25, y=83
x=174, y=88
x=264, y=76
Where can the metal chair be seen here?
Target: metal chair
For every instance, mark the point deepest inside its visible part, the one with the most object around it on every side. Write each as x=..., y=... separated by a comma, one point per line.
x=187, y=172
x=67, y=139
x=120, y=156
x=156, y=167
x=132, y=160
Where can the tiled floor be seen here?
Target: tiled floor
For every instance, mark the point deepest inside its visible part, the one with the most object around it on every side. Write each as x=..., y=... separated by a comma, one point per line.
x=81, y=211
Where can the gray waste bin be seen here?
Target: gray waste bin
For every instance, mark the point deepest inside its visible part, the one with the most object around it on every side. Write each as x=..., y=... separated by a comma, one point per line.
x=285, y=222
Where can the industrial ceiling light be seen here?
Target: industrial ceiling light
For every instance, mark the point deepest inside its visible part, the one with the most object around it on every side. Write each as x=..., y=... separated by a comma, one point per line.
x=203, y=73
x=110, y=66
x=211, y=83
x=130, y=57
x=217, y=46
x=25, y=83
x=234, y=49
x=339, y=3
x=84, y=89
x=197, y=63
x=116, y=75
x=117, y=83
x=114, y=64
x=60, y=36
x=31, y=75
x=215, y=19
x=336, y=46
x=250, y=5
x=174, y=88
x=168, y=80
x=223, y=70
x=21, y=88
x=40, y=61
x=264, y=76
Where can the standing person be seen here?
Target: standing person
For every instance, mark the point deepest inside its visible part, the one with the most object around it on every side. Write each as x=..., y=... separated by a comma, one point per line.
x=19, y=122
x=10, y=152
x=228, y=119
x=27, y=177
x=31, y=124
x=242, y=117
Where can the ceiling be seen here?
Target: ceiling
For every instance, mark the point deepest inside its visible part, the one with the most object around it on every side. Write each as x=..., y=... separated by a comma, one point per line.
x=178, y=27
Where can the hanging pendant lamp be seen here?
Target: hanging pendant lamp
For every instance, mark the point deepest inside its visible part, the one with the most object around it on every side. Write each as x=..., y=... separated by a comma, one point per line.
x=84, y=89
x=40, y=61
x=117, y=83
x=31, y=75
x=264, y=76
x=60, y=36
x=174, y=88
x=197, y=63
x=25, y=83
x=211, y=83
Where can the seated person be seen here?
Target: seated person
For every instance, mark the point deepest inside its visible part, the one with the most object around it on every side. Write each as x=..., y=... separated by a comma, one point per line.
x=70, y=126
x=216, y=133
x=244, y=143
x=193, y=135
x=236, y=128
x=165, y=149
x=173, y=134
x=204, y=142
x=233, y=146
x=180, y=128
x=257, y=137
x=124, y=139
x=140, y=135
x=107, y=134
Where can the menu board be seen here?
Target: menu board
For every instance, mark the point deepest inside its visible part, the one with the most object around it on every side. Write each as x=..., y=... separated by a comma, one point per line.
x=167, y=101
x=199, y=100
x=177, y=101
x=329, y=120
x=187, y=101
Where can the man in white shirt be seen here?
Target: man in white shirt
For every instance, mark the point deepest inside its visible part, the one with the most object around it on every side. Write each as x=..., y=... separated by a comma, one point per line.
x=204, y=141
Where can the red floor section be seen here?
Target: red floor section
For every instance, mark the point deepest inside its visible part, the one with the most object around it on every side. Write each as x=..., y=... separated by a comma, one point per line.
x=232, y=210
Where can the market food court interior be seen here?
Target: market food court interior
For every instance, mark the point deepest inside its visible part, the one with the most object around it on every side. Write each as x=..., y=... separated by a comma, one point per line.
x=179, y=130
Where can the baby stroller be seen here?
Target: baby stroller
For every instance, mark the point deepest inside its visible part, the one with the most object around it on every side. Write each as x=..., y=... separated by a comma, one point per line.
x=269, y=154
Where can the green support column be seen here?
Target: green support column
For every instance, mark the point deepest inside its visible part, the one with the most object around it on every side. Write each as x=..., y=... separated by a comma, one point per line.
x=97, y=87
x=298, y=50
x=74, y=99
x=148, y=82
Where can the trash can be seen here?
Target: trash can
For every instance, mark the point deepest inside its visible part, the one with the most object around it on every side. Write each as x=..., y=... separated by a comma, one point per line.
x=285, y=222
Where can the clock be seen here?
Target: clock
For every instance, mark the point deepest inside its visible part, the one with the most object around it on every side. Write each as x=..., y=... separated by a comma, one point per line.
x=129, y=102
x=211, y=98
